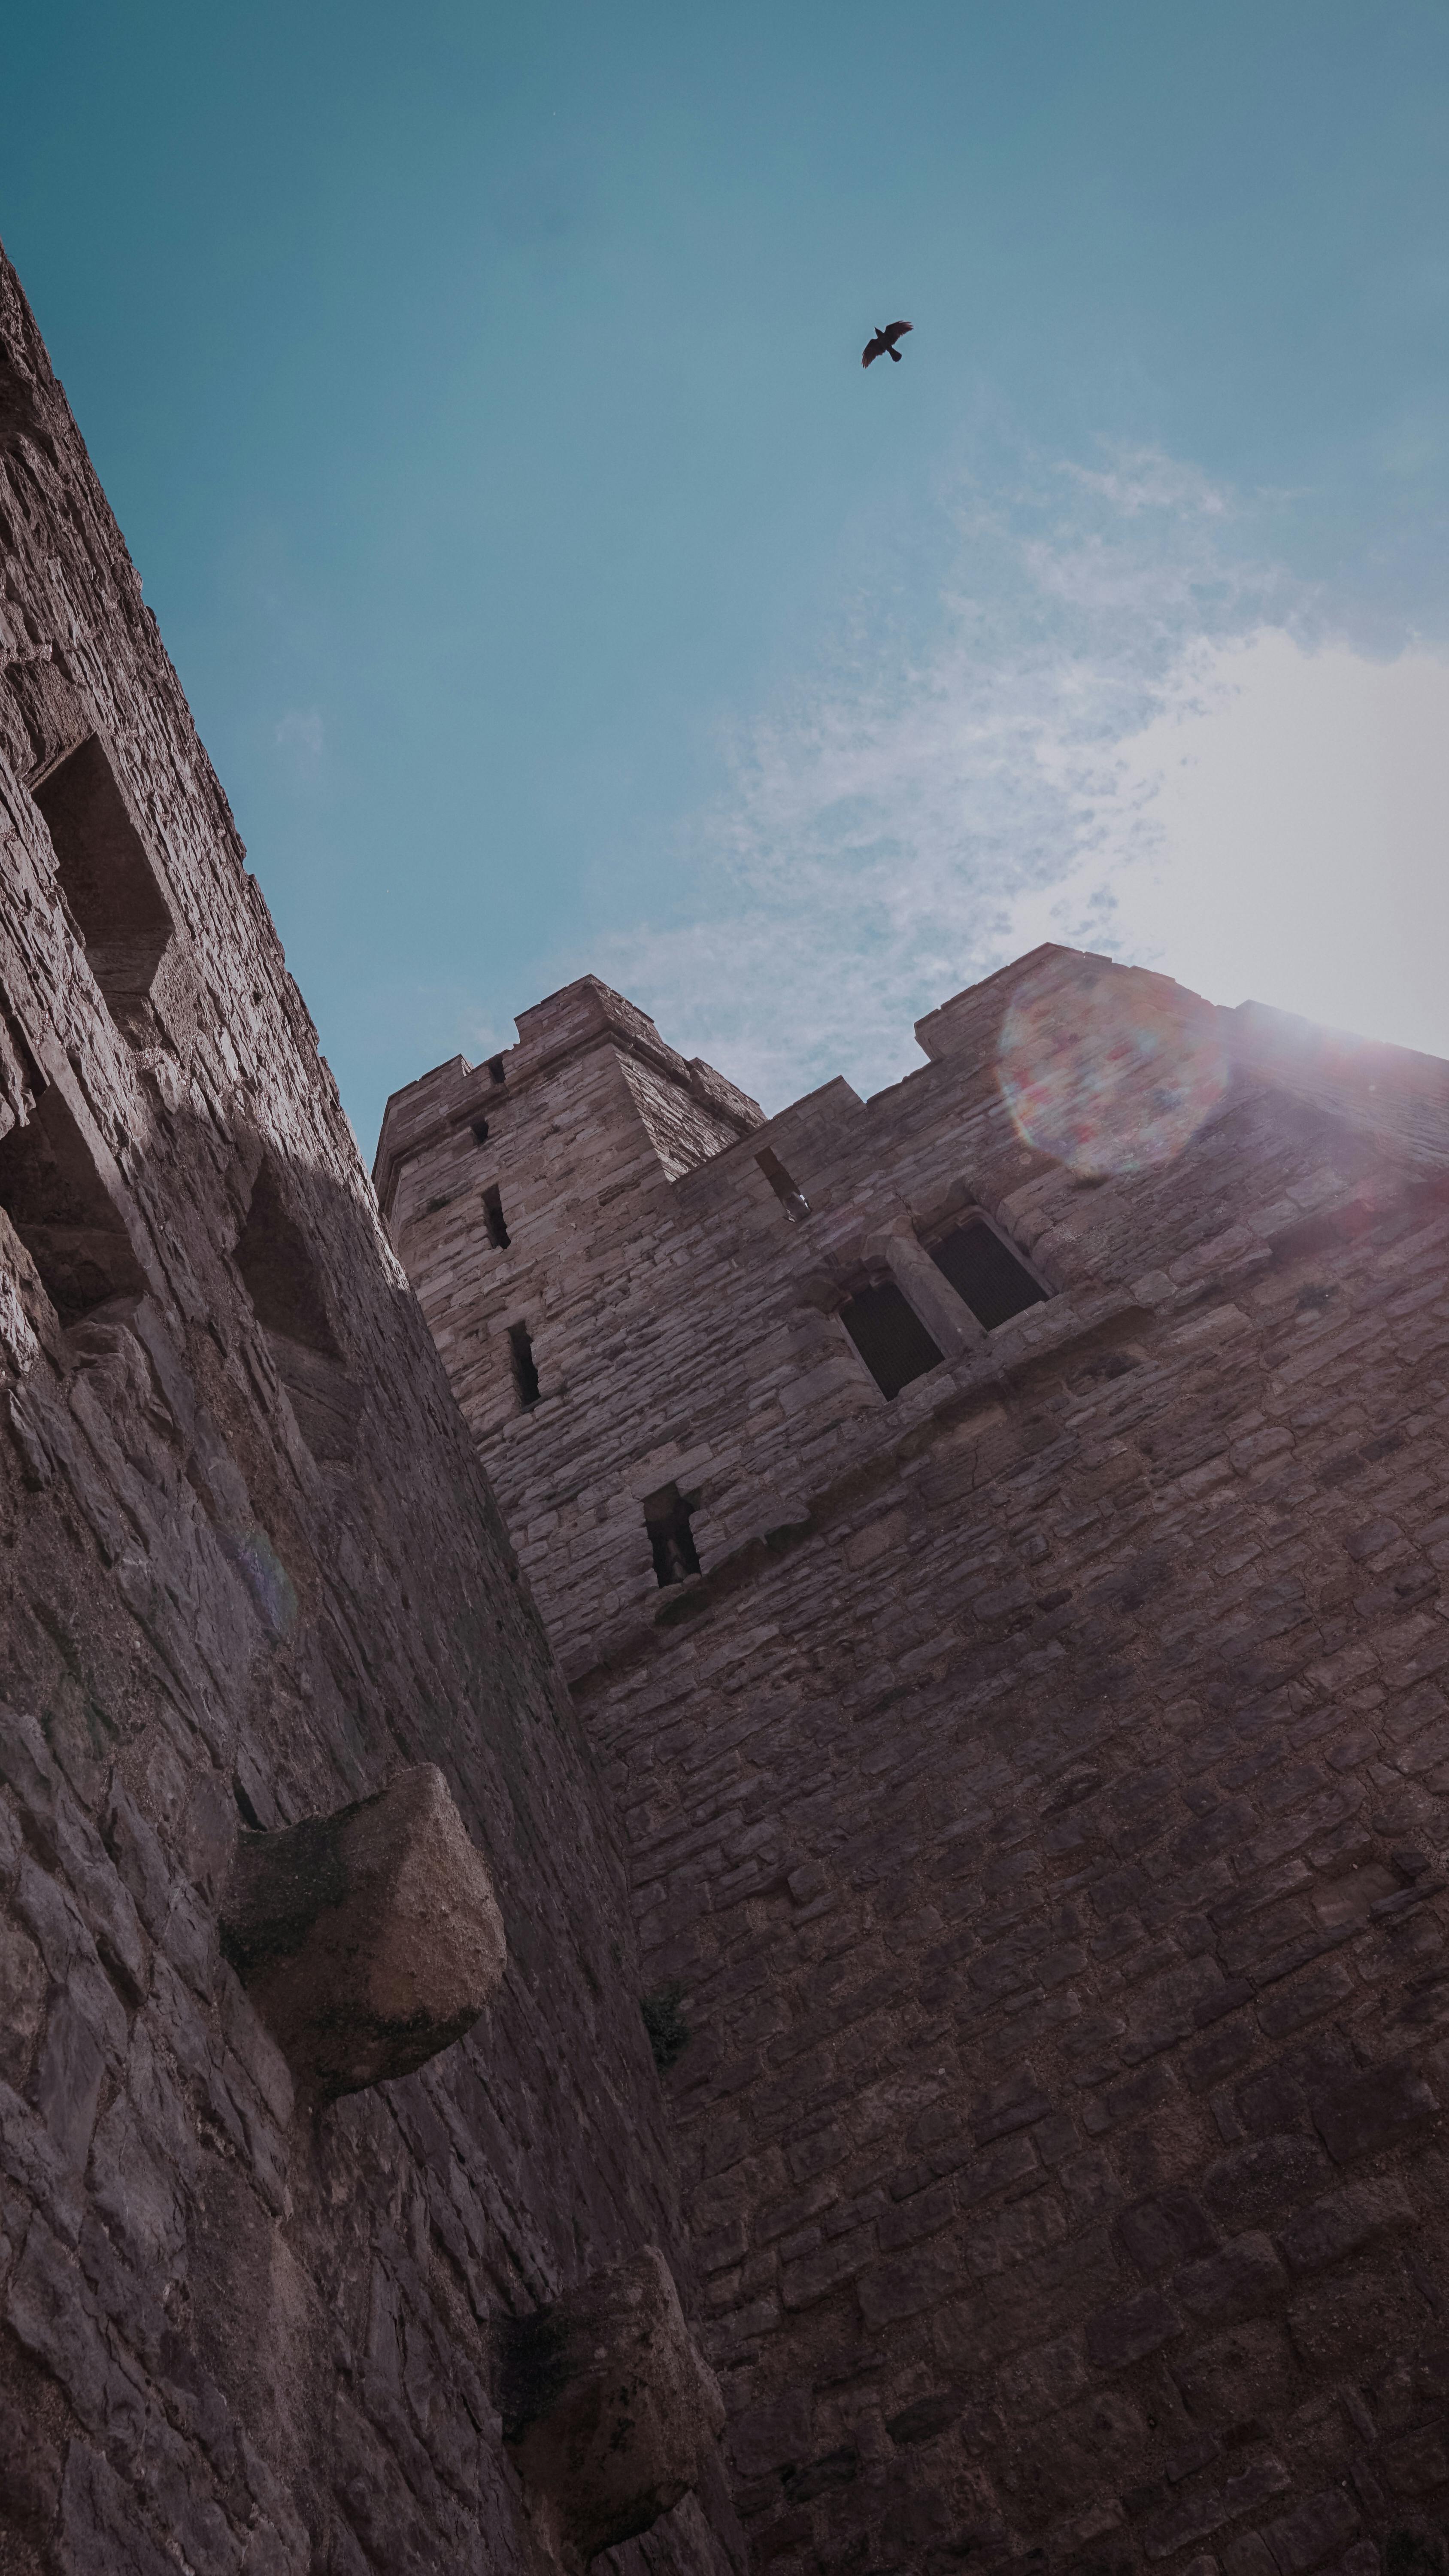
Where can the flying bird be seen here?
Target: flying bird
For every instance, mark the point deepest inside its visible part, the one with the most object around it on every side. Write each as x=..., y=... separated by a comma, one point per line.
x=884, y=343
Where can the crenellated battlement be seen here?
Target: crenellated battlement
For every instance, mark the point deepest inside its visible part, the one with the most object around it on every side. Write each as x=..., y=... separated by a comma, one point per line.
x=689, y=1110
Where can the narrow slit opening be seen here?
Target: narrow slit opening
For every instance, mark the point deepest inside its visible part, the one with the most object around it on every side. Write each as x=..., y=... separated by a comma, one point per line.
x=667, y=1520
x=890, y=1337
x=525, y=1368
x=495, y=1068
x=986, y=1273
x=246, y=1810
x=493, y=1218
x=480, y=1131
x=791, y=1197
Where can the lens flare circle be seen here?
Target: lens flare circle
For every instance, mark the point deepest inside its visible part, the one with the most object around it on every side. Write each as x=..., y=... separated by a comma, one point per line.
x=265, y=1576
x=1107, y=1068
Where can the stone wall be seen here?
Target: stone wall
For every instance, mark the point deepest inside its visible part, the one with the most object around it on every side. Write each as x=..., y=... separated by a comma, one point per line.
x=1035, y=1803
x=249, y=1572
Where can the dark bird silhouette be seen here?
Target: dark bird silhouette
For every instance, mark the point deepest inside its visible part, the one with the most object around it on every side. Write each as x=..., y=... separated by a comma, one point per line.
x=884, y=343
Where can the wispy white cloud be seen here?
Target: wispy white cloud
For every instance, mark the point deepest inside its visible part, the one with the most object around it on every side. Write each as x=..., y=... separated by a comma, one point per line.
x=1297, y=849
x=884, y=826
x=1122, y=725
x=301, y=732
x=1144, y=479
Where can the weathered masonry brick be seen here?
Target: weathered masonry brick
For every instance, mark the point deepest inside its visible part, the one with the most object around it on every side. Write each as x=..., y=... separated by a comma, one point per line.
x=1036, y=1800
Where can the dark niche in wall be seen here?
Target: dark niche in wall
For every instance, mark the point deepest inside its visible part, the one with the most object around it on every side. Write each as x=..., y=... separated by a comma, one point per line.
x=107, y=880
x=792, y=1199
x=282, y=1279
x=667, y=1519
x=524, y=1365
x=889, y=1335
x=59, y=1206
x=986, y=1273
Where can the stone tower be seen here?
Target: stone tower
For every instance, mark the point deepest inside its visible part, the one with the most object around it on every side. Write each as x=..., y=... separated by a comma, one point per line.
x=995, y=1536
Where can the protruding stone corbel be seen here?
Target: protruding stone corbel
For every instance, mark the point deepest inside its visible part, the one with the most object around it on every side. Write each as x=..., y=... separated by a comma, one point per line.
x=369, y=1939
x=608, y=2408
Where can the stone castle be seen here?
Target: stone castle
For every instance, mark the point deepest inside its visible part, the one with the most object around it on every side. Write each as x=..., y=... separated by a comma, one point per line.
x=993, y=1535
x=848, y=1978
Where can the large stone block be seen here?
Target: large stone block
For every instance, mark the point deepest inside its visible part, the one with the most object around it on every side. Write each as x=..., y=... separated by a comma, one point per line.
x=369, y=1939
x=608, y=2408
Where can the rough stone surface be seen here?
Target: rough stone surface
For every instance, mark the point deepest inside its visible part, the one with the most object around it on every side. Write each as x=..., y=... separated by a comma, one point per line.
x=1036, y=1801
x=367, y=1940
x=250, y=1573
x=608, y=2408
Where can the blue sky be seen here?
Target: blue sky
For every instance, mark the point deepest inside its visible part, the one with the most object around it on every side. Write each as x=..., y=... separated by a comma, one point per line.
x=479, y=391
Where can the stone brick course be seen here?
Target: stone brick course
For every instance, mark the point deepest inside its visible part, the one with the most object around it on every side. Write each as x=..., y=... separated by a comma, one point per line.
x=1037, y=1800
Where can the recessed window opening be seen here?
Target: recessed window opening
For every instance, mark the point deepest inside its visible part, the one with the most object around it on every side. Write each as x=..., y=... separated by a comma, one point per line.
x=666, y=1518
x=107, y=880
x=480, y=1131
x=57, y=1202
x=525, y=1369
x=279, y=1271
x=890, y=1337
x=985, y=1272
x=792, y=1200
x=495, y=1068
x=493, y=1219
x=282, y=1279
